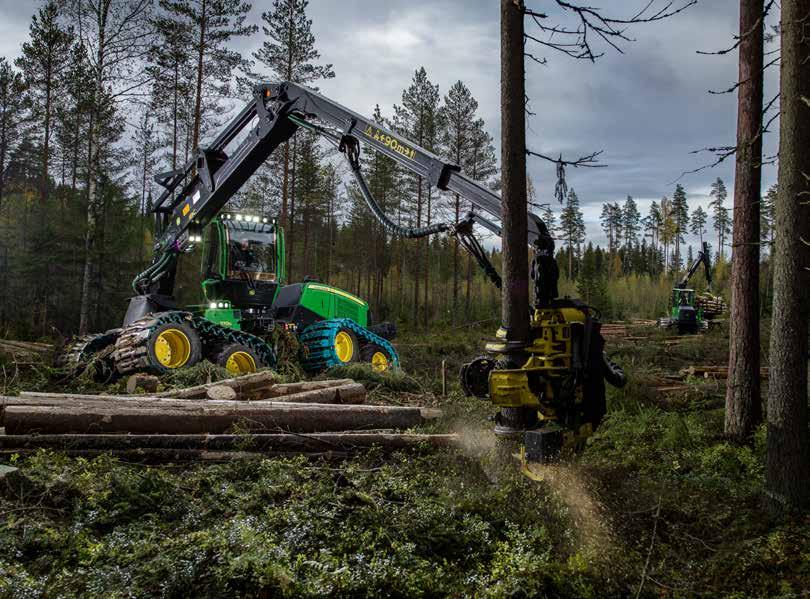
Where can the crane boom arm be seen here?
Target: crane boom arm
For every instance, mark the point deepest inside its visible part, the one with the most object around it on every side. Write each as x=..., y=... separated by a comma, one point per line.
x=196, y=193
x=704, y=258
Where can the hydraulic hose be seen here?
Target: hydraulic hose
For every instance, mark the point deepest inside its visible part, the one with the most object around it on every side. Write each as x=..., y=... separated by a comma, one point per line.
x=350, y=147
x=149, y=272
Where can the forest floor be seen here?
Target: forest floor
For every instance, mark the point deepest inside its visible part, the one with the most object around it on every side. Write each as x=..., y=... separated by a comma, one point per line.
x=658, y=504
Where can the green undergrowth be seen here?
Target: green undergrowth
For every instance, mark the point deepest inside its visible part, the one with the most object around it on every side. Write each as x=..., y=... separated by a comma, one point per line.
x=674, y=473
x=421, y=524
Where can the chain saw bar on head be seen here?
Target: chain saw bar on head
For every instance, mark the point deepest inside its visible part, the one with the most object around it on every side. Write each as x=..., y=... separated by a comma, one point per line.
x=196, y=193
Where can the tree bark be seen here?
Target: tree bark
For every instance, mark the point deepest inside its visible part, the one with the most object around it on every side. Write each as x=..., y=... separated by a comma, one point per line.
x=195, y=142
x=515, y=302
x=788, y=447
x=217, y=419
x=743, y=402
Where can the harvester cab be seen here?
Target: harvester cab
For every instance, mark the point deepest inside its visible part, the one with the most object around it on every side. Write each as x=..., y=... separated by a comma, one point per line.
x=243, y=268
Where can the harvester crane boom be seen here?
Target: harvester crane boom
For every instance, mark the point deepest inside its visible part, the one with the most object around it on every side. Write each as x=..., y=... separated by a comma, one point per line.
x=704, y=258
x=196, y=193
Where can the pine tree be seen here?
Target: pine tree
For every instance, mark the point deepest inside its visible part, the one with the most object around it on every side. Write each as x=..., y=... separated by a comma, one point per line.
x=720, y=215
x=212, y=24
x=43, y=61
x=631, y=222
x=12, y=117
x=680, y=217
x=591, y=284
x=667, y=230
x=289, y=54
x=172, y=71
x=572, y=226
x=697, y=223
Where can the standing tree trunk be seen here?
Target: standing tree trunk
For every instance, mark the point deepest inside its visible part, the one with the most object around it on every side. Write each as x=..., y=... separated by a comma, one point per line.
x=743, y=402
x=788, y=449
x=515, y=302
x=93, y=168
x=200, y=64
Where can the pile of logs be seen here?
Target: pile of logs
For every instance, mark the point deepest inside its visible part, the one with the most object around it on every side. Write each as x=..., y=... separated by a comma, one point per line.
x=715, y=372
x=614, y=330
x=247, y=415
x=712, y=305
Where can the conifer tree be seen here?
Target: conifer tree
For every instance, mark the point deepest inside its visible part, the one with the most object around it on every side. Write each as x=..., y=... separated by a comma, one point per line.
x=680, y=220
x=457, y=116
x=720, y=216
x=631, y=222
x=289, y=54
x=572, y=226
x=12, y=116
x=43, y=61
x=417, y=119
x=697, y=223
x=172, y=73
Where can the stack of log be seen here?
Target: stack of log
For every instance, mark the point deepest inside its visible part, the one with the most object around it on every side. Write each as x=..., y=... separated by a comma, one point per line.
x=251, y=414
x=614, y=330
x=712, y=305
x=715, y=372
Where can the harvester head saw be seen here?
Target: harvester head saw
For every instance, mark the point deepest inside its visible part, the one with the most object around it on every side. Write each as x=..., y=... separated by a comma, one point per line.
x=552, y=391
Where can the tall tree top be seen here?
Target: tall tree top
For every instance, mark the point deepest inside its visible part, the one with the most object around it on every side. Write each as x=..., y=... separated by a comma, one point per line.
x=289, y=52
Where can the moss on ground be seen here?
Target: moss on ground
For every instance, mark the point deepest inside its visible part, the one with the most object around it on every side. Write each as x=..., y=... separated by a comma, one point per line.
x=658, y=504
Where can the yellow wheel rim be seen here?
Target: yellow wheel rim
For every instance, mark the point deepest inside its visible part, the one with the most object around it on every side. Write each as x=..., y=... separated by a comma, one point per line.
x=240, y=362
x=379, y=361
x=172, y=348
x=344, y=346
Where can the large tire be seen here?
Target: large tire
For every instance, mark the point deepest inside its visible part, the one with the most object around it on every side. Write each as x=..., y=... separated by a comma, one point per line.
x=158, y=347
x=238, y=359
x=379, y=358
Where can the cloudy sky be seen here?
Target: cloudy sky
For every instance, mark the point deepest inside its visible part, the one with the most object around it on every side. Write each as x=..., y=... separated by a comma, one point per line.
x=646, y=108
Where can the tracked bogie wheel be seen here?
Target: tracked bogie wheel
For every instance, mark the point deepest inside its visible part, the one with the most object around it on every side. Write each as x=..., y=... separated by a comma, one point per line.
x=89, y=350
x=238, y=359
x=378, y=356
x=342, y=341
x=153, y=345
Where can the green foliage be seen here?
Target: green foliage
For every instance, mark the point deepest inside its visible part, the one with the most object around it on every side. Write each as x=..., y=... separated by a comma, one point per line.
x=413, y=526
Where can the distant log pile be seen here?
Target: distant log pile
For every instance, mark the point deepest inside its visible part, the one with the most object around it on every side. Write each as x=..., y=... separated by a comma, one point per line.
x=715, y=372
x=712, y=305
x=250, y=414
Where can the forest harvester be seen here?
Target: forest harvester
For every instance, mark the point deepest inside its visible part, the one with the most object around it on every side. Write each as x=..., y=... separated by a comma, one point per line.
x=552, y=389
x=691, y=312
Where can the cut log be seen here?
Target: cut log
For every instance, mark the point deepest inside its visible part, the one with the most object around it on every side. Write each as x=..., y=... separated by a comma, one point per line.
x=148, y=382
x=313, y=442
x=351, y=393
x=290, y=388
x=163, y=456
x=242, y=385
x=348, y=393
x=220, y=392
x=218, y=418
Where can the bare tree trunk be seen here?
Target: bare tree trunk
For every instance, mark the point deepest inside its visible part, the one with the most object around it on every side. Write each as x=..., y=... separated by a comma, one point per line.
x=418, y=258
x=200, y=56
x=515, y=304
x=788, y=449
x=743, y=402
x=93, y=168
